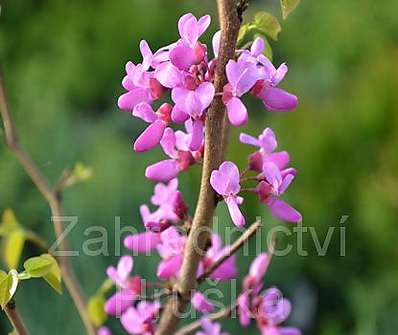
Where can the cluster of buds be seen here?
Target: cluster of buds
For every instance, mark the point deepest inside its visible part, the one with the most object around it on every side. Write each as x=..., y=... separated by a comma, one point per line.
x=183, y=71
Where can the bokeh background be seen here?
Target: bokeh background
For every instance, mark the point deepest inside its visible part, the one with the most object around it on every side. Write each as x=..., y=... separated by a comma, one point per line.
x=63, y=62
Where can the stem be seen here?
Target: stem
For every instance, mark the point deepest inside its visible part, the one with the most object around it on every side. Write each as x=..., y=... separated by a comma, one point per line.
x=15, y=318
x=54, y=201
x=213, y=155
x=222, y=314
x=249, y=232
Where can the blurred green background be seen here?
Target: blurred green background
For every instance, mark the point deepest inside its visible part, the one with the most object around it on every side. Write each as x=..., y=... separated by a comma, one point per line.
x=63, y=62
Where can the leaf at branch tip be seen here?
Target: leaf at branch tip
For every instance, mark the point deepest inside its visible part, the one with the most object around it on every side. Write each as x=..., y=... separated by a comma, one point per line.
x=8, y=219
x=82, y=172
x=38, y=267
x=95, y=309
x=8, y=286
x=53, y=277
x=14, y=332
x=267, y=24
x=13, y=246
x=288, y=6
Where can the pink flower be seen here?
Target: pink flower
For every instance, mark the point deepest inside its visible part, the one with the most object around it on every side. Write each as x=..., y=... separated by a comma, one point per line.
x=171, y=208
x=141, y=319
x=227, y=270
x=171, y=249
x=272, y=311
x=241, y=76
x=104, y=331
x=201, y=304
x=209, y=328
x=120, y=275
x=130, y=287
x=180, y=159
x=194, y=102
x=225, y=181
x=267, y=144
x=152, y=135
x=275, y=184
x=142, y=242
x=257, y=271
x=274, y=98
x=188, y=51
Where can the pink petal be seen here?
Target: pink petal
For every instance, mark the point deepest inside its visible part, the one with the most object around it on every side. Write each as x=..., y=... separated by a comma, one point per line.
x=257, y=47
x=118, y=303
x=226, y=271
x=201, y=304
x=203, y=24
x=129, y=100
x=248, y=139
x=142, y=242
x=145, y=112
x=168, y=75
x=182, y=56
x=168, y=143
x=268, y=140
x=146, y=55
x=163, y=171
x=289, y=331
x=272, y=174
x=259, y=266
x=283, y=211
x=178, y=115
x=132, y=322
x=170, y=267
x=205, y=93
x=150, y=137
x=237, y=112
x=188, y=28
x=280, y=159
x=244, y=310
x=197, y=135
x=236, y=215
x=216, y=43
x=125, y=266
x=278, y=100
x=280, y=74
x=104, y=331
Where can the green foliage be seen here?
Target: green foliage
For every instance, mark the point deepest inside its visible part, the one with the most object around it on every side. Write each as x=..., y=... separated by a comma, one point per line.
x=267, y=24
x=288, y=6
x=95, y=308
x=8, y=286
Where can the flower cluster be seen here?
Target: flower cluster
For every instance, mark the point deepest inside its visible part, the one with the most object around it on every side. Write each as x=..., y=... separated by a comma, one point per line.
x=184, y=71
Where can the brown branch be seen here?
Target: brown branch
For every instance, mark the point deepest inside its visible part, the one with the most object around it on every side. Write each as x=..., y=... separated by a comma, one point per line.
x=15, y=318
x=249, y=232
x=54, y=200
x=213, y=155
x=221, y=314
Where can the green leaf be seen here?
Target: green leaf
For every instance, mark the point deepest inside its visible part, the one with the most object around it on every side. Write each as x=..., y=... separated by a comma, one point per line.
x=8, y=219
x=267, y=24
x=12, y=248
x=242, y=32
x=95, y=309
x=6, y=285
x=82, y=172
x=53, y=277
x=288, y=6
x=14, y=332
x=38, y=267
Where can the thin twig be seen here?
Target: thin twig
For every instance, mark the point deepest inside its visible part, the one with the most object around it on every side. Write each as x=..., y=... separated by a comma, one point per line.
x=15, y=318
x=249, y=232
x=221, y=314
x=213, y=155
x=54, y=200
